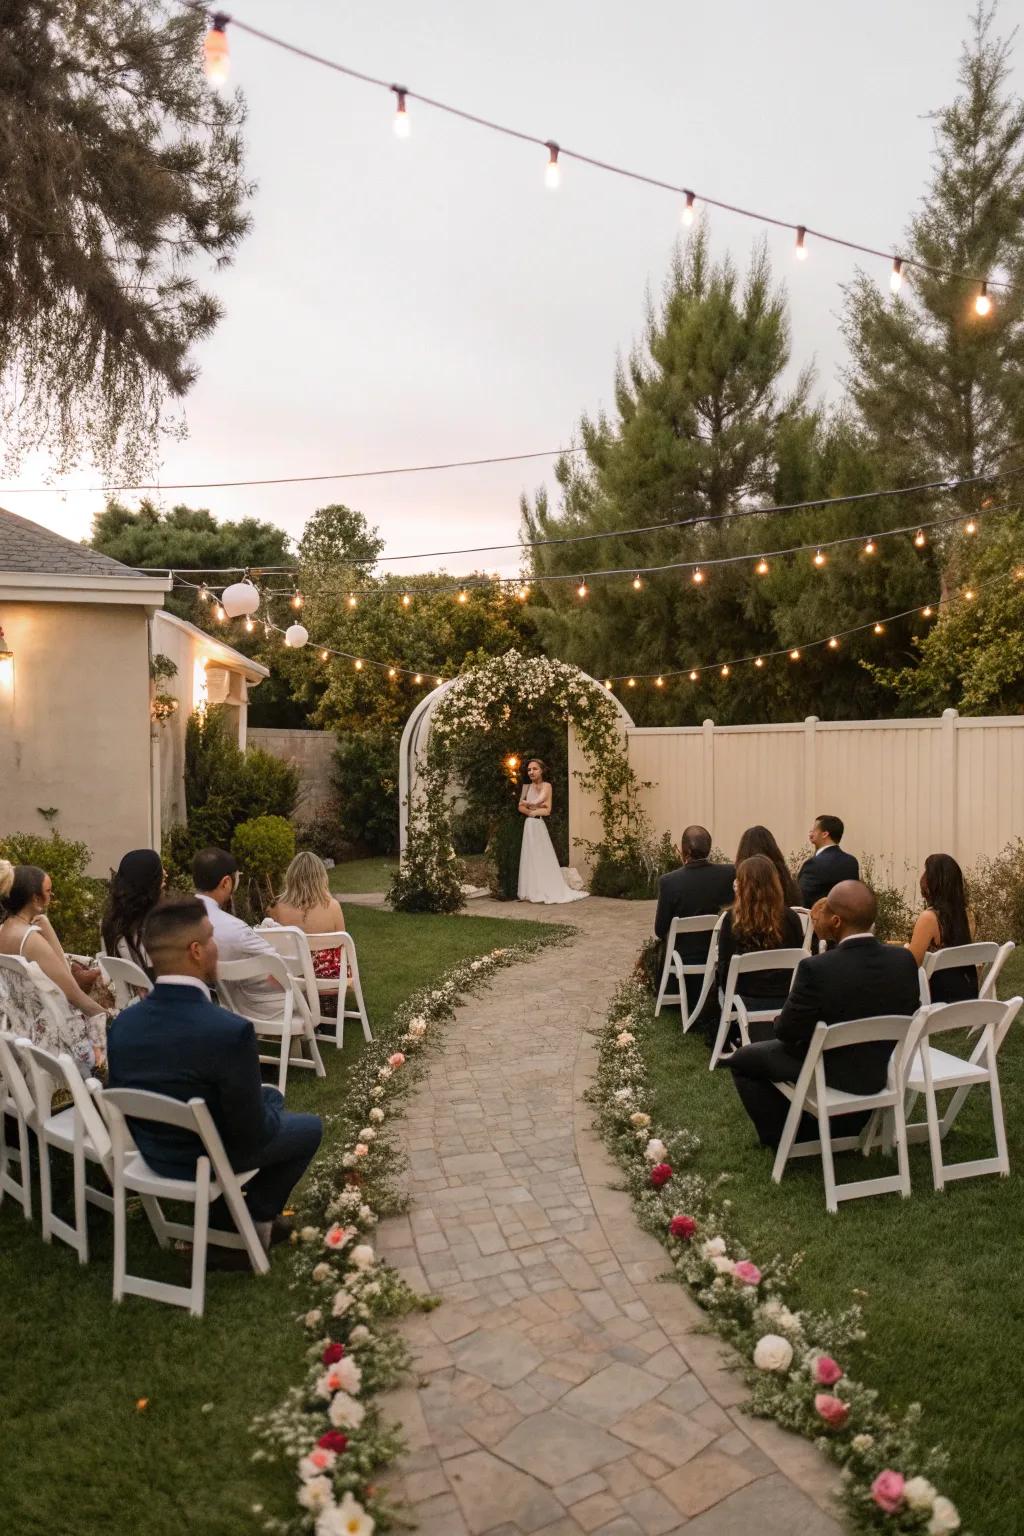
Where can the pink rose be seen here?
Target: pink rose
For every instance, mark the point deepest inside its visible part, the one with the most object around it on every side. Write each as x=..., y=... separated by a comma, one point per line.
x=683, y=1227
x=747, y=1273
x=887, y=1491
x=396, y=1060
x=826, y=1372
x=835, y=1413
x=660, y=1174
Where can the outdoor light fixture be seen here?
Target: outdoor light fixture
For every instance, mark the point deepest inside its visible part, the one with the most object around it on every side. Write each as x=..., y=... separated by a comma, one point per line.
x=324, y=655
x=879, y=629
x=970, y=526
x=794, y=655
x=239, y=600
x=552, y=175
x=296, y=636
x=800, y=248
x=637, y=583
x=358, y=664
x=870, y=547
x=401, y=114
x=582, y=589
x=819, y=558
x=725, y=670
x=659, y=682
x=352, y=600
x=762, y=567
x=463, y=596
x=833, y=644
x=926, y=612
x=216, y=60
x=697, y=576
x=694, y=676
x=688, y=210
x=406, y=600
x=896, y=275
x=919, y=539
x=392, y=673
x=983, y=304
x=758, y=661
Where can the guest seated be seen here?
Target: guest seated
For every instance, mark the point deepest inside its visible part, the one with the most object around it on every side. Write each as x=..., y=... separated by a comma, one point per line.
x=860, y=978
x=306, y=902
x=828, y=864
x=698, y=889
x=760, y=840
x=134, y=892
x=215, y=874
x=758, y=920
x=944, y=923
x=178, y=1042
x=75, y=1022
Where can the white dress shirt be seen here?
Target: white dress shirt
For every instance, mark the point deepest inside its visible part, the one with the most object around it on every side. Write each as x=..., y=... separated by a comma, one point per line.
x=237, y=941
x=184, y=981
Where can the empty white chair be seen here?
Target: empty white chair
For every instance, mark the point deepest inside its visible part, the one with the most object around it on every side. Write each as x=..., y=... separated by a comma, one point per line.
x=16, y=1102
x=78, y=1130
x=297, y=949
x=674, y=965
x=128, y=981
x=214, y=1177
x=930, y=1070
x=294, y=1022
x=734, y=1010
x=812, y=1093
x=988, y=957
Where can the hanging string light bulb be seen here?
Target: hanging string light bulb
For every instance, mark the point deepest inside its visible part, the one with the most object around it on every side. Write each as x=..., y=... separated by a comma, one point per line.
x=630, y=682
x=523, y=593
x=870, y=547
x=919, y=539
x=418, y=678
x=926, y=611
x=659, y=682
x=249, y=626
x=725, y=670
x=762, y=567
x=688, y=213
x=896, y=275
x=358, y=664
x=325, y=655
x=219, y=614
x=759, y=662
x=794, y=654
x=970, y=526
x=552, y=175
x=608, y=682
x=205, y=594
x=216, y=59
x=879, y=629
x=297, y=600
x=800, y=248
x=353, y=601
x=969, y=594
x=697, y=576
x=392, y=673
x=406, y=600
x=694, y=676
x=582, y=590
x=463, y=596
x=637, y=583
x=402, y=125
x=833, y=644
x=983, y=303
x=820, y=558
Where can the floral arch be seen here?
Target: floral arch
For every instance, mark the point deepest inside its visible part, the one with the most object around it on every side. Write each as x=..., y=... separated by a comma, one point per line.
x=477, y=705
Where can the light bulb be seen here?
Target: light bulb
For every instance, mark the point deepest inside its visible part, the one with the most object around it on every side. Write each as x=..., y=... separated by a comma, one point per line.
x=358, y=664
x=870, y=547
x=758, y=661
x=694, y=676
x=582, y=590
x=552, y=176
x=969, y=594
x=896, y=275
x=401, y=114
x=919, y=539
x=249, y=626
x=463, y=596
x=607, y=682
x=324, y=655
x=970, y=526
x=819, y=557
x=418, y=678
x=406, y=600
x=794, y=655
x=659, y=682
x=205, y=593
x=879, y=629
x=637, y=583
x=438, y=681
x=631, y=682
x=392, y=673
x=983, y=304
x=833, y=644
x=352, y=600
x=697, y=576
x=725, y=670
x=762, y=567
x=800, y=248
x=688, y=210
x=216, y=61
x=219, y=614
x=523, y=594
x=926, y=612
x=297, y=600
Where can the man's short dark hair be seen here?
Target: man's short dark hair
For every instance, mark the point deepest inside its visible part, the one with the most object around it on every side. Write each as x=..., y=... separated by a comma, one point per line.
x=209, y=867
x=696, y=843
x=833, y=826
x=172, y=924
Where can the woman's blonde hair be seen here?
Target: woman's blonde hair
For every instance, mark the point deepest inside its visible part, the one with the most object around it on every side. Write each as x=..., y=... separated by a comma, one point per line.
x=305, y=882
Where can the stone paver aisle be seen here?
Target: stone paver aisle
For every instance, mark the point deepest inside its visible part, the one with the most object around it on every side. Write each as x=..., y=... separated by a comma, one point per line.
x=560, y=1389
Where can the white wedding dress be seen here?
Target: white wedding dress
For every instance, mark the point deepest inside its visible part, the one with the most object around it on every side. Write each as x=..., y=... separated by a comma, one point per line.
x=540, y=877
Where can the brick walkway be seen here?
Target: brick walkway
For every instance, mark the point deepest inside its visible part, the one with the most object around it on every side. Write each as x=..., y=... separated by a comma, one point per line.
x=560, y=1389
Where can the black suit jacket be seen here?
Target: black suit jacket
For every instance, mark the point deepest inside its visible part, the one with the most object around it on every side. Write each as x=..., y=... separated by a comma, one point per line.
x=859, y=979
x=176, y=1042
x=823, y=871
x=693, y=891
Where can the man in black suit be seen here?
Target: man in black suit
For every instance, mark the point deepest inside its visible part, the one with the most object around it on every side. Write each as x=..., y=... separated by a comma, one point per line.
x=828, y=864
x=860, y=978
x=698, y=889
x=178, y=1042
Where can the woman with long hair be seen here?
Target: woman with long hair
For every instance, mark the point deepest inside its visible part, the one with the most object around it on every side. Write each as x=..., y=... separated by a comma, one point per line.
x=73, y=1021
x=944, y=923
x=760, y=840
x=540, y=875
x=758, y=920
x=134, y=892
x=306, y=902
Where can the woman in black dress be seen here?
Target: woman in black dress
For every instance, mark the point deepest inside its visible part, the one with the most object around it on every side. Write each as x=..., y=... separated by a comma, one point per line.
x=758, y=920
x=760, y=840
x=944, y=923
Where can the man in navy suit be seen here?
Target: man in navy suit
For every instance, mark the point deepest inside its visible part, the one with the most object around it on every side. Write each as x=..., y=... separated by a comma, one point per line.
x=828, y=863
x=178, y=1042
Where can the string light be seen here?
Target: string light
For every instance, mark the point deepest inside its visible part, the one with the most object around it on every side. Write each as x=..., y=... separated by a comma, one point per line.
x=833, y=644
x=438, y=682
x=693, y=676
x=926, y=612
x=325, y=655
x=402, y=124
x=688, y=210
x=637, y=583
x=552, y=175
x=983, y=304
x=353, y=601
x=582, y=590
x=820, y=557
x=659, y=682
x=896, y=275
x=418, y=678
x=219, y=614
x=879, y=629
x=725, y=670
x=358, y=664
x=523, y=593
x=870, y=547
x=970, y=526
x=759, y=662
x=406, y=600
x=919, y=539
x=249, y=626
x=392, y=673
x=630, y=682
x=463, y=596
x=969, y=594
x=216, y=60
x=794, y=654
x=205, y=594
x=608, y=682
x=800, y=248
x=698, y=576
x=762, y=567
x=297, y=600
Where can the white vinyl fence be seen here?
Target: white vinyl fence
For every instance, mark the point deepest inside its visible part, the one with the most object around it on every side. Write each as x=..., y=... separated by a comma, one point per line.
x=904, y=788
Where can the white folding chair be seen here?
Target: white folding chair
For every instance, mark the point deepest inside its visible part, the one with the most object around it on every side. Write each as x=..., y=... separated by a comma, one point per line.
x=988, y=957
x=812, y=1093
x=804, y=914
x=674, y=965
x=16, y=1102
x=214, y=1177
x=930, y=1071
x=77, y=1130
x=127, y=980
x=294, y=1022
x=297, y=949
x=734, y=1010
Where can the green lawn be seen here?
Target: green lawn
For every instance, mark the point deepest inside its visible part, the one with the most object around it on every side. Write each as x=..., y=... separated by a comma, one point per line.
x=78, y=1457
x=363, y=876
x=938, y=1275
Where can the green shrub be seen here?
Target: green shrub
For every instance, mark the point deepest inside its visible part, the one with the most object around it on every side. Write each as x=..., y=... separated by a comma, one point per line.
x=264, y=847
x=323, y=835
x=78, y=898
x=895, y=920
x=429, y=878
x=995, y=894
x=225, y=786
x=469, y=832
x=505, y=848
x=366, y=779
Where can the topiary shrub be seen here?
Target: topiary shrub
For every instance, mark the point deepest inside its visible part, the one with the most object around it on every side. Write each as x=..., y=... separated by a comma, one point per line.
x=264, y=847
x=78, y=898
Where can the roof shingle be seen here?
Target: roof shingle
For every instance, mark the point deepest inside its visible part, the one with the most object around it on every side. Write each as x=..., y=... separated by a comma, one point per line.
x=25, y=546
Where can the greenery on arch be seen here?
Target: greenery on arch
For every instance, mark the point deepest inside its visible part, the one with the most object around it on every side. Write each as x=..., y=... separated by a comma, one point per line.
x=495, y=715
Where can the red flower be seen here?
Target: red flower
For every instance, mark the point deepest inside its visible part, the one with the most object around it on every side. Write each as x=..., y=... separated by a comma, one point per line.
x=826, y=1371
x=334, y=1441
x=682, y=1226
x=332, y=1354
x=660, y=1174
x=832, y=1409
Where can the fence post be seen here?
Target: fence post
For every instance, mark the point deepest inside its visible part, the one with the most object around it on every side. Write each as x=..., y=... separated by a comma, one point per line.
x=810, y=766
x=709, y=774
x=948, y=802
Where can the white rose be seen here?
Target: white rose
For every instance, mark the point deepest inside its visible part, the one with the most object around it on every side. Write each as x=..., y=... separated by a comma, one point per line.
x=773, y=1353
x=417, y=1028
x=376, y=1116
x=360, y=1334
x=655, y=1150
x=622, y=1094
x=314, y=1318
x=624, y=1039
x=723, y=1265
x=345, y=1412
x=362, y=1256
x=713, y=1246
x=641, y=1121
x=316, y=1494
x=322, y=1272
x=367, y=1133
x=862, y=1443
x=309, y=1234
x=944, y=1517
x=919, y=1493
x=342, y=1302
x=376, y=1093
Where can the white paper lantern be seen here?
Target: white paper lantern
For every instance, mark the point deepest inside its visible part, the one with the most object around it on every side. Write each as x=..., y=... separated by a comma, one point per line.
x=240, y=600
x=296, y=636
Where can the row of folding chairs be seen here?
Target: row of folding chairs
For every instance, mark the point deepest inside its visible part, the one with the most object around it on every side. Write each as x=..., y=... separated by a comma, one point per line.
x=93, y=1130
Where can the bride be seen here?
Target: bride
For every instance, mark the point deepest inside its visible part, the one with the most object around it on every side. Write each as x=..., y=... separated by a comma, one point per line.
x=540, y=878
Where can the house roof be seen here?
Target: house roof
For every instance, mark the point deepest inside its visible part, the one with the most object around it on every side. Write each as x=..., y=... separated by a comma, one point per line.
x=26, y=546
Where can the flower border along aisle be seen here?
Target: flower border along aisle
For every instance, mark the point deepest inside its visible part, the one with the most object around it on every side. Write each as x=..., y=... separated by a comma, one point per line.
x=792, y=1360
x=328, y=1428
x=479, y=704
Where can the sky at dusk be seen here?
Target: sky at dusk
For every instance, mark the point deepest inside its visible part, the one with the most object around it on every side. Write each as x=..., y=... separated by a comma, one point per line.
x=402, y=302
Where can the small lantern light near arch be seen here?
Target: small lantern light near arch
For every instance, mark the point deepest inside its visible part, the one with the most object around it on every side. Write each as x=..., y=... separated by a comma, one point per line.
x=296, y=636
